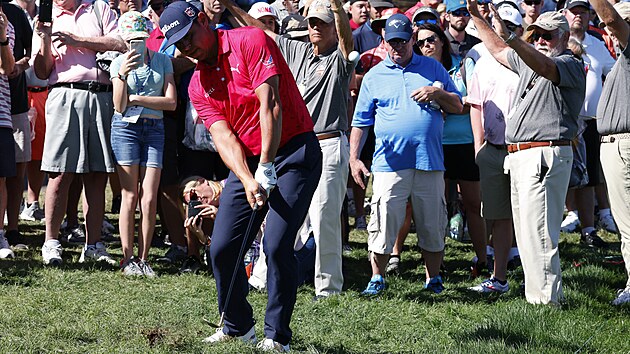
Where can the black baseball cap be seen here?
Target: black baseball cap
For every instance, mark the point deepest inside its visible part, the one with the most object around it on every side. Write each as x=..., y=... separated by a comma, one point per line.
x=176, y=21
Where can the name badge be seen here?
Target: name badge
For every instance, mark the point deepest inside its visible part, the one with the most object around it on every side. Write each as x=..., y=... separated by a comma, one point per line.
x=132, y=114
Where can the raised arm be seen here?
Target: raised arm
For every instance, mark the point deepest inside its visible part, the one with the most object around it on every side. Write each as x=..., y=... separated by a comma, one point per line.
x=537, y=61
x=342, y=24
x=44, y=61
x=615, y=24
x=244, y=18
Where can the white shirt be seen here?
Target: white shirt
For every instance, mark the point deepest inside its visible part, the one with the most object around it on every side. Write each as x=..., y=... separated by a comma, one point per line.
x=597, y=62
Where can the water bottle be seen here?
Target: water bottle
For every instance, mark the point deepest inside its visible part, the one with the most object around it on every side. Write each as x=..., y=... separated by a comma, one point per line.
x=456, y=227
x=433, y=104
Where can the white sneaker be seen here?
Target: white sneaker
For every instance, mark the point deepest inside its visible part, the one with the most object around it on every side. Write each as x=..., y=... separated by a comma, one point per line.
x=51, y=252
x=5, y=248
x=32, y=213
x=146, y=269
x=491, y=286
x=360, y=223
x=131, y=268
x=268, y=345
x=96, y=253
x=570, y=223
x=608, y=223
x=623, y=297
x=219, y=336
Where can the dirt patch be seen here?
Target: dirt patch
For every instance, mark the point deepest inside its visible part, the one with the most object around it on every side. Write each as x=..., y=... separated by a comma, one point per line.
x=154, y=335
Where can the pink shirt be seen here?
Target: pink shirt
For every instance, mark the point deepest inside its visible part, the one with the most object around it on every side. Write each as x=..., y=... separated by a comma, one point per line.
x=247, y=58
x=76, y=64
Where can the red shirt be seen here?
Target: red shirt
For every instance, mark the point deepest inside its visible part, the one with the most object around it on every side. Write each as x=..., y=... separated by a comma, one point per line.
x=354, y=25
x=373, y=56
x=247, y=58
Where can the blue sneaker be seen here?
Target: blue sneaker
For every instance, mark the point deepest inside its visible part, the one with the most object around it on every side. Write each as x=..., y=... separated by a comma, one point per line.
x=375, y=286
x=435, y=284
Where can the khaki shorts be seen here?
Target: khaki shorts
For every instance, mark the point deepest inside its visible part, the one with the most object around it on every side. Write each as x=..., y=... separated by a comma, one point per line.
x=78, y=130
x=391, y=190
x=22, y=137
x=494, y=182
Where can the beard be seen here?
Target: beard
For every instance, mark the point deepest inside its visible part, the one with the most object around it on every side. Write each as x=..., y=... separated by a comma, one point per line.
x=549, y=52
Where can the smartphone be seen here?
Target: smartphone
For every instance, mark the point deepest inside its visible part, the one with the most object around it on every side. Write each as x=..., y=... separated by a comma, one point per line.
x=45, y=11
x=192, y=211
x=140, y=46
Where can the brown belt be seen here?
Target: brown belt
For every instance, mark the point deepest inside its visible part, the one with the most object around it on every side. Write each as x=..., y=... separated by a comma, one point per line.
x=534, y=144
x=329, y=135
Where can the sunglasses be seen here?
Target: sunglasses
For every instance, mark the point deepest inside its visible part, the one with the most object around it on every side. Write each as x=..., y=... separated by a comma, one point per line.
x=460, y=13
x=532, y=3
x=397, y=42
x=429, y=40
x=546, y=36
x=510, y=26
x=483, y=2
x=422, y=22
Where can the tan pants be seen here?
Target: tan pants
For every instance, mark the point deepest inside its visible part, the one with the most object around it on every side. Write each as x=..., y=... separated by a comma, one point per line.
x=539, y=182
x=615, y=159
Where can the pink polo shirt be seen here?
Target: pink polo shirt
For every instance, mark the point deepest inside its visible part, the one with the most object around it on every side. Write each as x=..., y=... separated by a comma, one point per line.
x=247, y=58
x=76, y=64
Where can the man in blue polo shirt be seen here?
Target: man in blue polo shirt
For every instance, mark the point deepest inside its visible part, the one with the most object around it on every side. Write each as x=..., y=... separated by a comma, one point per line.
x=398, y=97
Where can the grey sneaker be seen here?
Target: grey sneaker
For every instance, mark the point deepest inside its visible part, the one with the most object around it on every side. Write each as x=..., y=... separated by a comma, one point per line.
x=175, y=254
x=270, y=345
x=32, y=212
x=74, y=234
x=97, y=253
x=5, y=249
x=146, y=269
x=219, y=336
x=51, y=252
x=623, y=297
x=393, y=265
x=131, y=268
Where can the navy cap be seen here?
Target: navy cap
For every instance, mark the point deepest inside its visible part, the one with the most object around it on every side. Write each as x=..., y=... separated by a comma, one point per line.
x=452, y=5
x=398, y=26
x=176, y=21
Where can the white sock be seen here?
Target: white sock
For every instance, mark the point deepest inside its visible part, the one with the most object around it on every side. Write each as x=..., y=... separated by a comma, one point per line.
x=52, y=243
x=587, y=230
x=572, y=213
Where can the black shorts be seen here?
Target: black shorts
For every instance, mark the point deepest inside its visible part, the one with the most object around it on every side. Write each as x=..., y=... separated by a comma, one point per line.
x=7, y=151
x=593, y=163
x=368, y=148
x=170, y=172
x=459, y=161
x=206, y=164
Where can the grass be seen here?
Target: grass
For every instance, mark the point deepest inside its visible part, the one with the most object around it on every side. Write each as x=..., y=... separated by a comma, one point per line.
x=92, y=309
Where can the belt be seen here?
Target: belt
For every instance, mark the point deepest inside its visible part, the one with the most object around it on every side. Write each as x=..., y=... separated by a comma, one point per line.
x=36, y=89
x=612, y=137
x=496, y=146
x=329, y=135
x=92, y=86
x=534, y=144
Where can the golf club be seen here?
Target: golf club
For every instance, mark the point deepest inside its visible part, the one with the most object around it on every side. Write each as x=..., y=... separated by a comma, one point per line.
x=236, y=264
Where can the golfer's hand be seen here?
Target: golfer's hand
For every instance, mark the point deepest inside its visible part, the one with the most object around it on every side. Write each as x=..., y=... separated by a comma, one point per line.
x=256, y=195
x=266, y=176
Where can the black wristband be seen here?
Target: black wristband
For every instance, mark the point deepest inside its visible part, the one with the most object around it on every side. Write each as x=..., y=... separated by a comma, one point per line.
x=5, y=43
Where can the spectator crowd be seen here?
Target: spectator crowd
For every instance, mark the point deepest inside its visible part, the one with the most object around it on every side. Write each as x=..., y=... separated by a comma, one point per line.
x=506, y=122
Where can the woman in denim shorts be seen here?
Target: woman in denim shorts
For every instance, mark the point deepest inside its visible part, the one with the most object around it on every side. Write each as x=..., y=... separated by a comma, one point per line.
x=143, y=88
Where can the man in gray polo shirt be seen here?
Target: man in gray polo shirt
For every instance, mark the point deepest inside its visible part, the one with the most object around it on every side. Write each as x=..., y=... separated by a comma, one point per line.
x=322, y=72
x=613, y=123
x=539, y=129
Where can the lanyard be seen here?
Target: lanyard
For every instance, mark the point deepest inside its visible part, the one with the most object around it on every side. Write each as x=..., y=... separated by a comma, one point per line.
x=140, y=87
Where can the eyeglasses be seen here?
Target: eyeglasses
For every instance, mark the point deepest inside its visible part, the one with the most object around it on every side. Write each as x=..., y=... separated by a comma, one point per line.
x=397, y=42
x=460, y=13
x=429, y=40
x=532, y=2
x=546, y=36
x=510, y=26
x=483, y=2
x=422, y=22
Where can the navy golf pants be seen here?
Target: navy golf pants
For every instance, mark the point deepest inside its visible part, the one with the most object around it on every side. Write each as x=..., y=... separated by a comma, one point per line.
x=298, y=166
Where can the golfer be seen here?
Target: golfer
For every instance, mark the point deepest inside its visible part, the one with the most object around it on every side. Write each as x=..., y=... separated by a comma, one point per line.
x=244, y=92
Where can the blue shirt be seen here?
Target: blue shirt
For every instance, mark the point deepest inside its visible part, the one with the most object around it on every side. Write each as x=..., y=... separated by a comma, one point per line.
x=457, y=128
x=408, y=134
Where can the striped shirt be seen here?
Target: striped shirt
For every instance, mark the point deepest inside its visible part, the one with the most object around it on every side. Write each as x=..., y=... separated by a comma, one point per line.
x=5, y=92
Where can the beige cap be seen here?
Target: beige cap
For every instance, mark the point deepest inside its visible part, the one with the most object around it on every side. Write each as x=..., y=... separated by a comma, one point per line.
x=550, y=21
x=321, y=9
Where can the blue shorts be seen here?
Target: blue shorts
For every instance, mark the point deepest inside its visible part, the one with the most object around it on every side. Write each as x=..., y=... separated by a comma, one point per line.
x=140, y=143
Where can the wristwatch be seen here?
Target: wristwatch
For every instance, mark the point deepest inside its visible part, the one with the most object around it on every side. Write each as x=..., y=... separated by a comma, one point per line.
x=510, y=38
x=5, y=43
x=122, y=77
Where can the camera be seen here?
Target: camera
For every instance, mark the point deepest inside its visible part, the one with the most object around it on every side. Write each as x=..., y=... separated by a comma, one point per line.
x=194, y=201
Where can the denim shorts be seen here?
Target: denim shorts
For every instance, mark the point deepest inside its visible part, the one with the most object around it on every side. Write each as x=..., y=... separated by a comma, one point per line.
x=140, y=143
